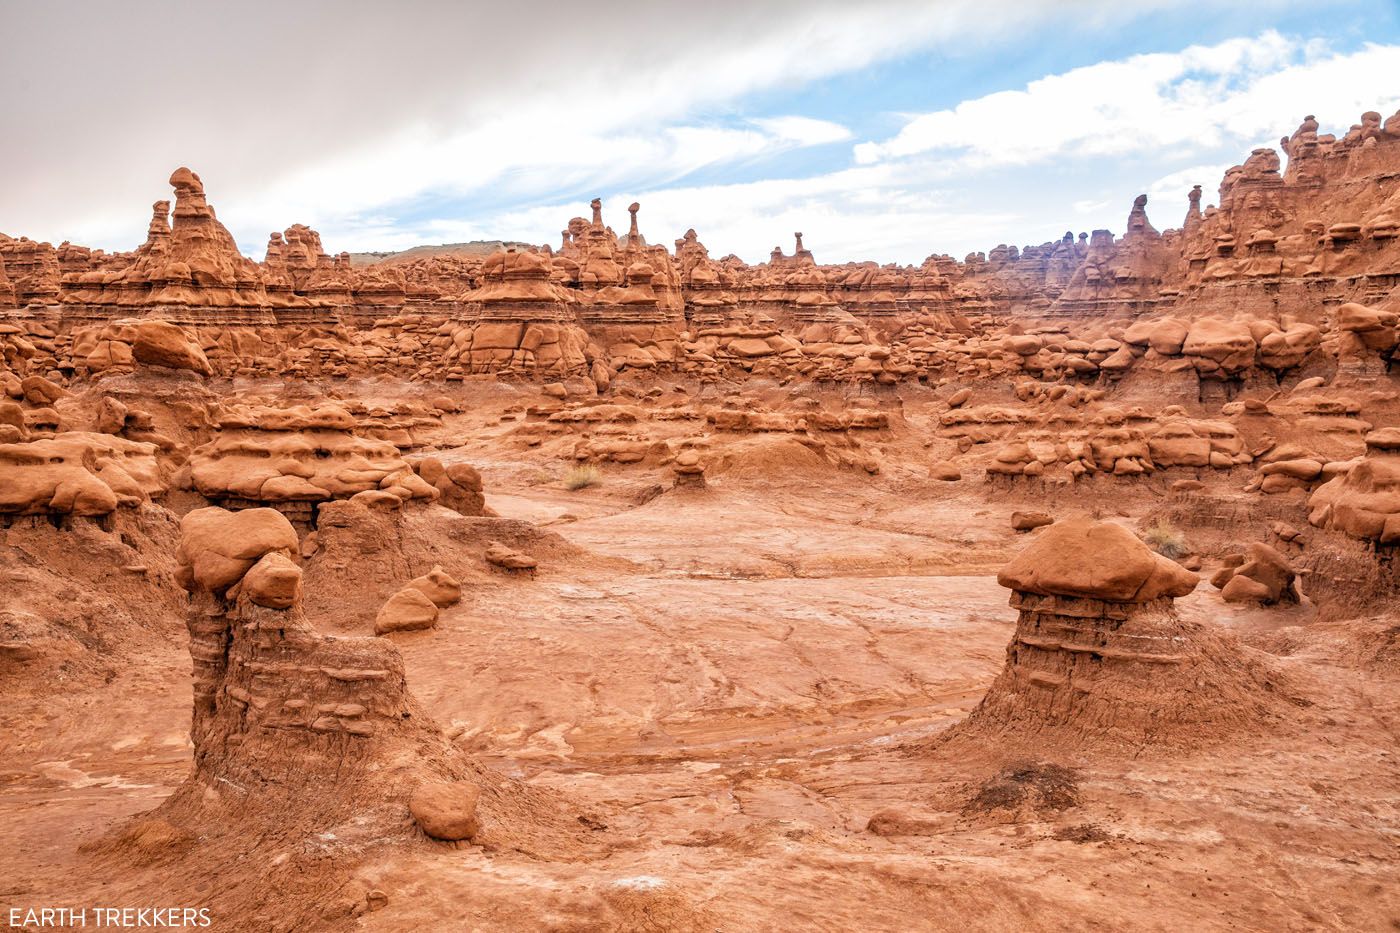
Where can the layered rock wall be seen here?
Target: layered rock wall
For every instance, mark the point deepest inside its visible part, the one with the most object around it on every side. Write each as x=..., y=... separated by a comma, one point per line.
x=1264, y=276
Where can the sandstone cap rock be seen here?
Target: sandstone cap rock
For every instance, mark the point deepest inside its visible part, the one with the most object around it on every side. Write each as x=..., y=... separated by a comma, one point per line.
x=217, y=547
x=1095, y=560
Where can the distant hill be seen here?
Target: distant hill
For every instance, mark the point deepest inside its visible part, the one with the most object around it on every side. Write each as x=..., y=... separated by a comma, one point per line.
x=475, y=249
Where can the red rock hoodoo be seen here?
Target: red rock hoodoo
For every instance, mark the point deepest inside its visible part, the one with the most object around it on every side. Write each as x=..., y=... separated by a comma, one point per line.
x=300, y=736
x=1100, y=658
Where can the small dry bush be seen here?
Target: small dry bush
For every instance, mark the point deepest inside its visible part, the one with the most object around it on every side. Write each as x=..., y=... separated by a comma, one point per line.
x=1167, y=540
x=581, y=477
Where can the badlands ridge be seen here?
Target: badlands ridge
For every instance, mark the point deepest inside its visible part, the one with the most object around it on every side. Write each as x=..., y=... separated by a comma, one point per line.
x=614, y=586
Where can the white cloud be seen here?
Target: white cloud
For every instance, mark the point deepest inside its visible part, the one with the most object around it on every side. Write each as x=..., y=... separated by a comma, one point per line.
x=376, y=130
x=1168, y=103
x=803, y=131
x=359, y=107
x=1216, y=101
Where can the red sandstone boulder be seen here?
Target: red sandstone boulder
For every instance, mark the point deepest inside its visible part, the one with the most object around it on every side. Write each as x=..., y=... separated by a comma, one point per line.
x=507, y=558
x=274, y=582
x=40, y=391
x=408, y=610
x=1371, y=327
x=1220, y=347
x=1028, y=521
x=1262, y=575
x=440, y=588
x=1364, y=502
x=160, y=343
x=946, y=471
x=446, y=810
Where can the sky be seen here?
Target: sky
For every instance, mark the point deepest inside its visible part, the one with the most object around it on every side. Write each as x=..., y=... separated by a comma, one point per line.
x=884, y=130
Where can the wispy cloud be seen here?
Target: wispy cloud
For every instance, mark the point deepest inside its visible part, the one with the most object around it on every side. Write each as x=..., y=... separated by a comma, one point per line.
x=1178, y=103
x=490, y=124
x=983, y=179
x=330, y=111
x=803, y=131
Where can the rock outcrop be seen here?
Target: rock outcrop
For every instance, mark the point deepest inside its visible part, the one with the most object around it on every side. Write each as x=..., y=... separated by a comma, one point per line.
x=1240, y=293
x=1364, y=502
x=126, y=344
x=1100, y=658
x=458, y=485
x=76, y=473
x=1261, y=574
x=520, y=321
x=295, y=458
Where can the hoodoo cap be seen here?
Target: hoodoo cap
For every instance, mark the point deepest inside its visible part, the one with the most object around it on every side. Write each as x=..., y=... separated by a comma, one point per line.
x=1095, y=560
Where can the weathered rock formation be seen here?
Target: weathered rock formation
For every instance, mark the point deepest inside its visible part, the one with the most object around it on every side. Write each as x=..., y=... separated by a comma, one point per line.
x=299, y=736
x=295, y=458
x=458, y=485
x=1100, y=658
x=521, y=321
x=1261, y=574
x=1364, y=502
x=1244, y=292
x=75, y=473
x=125, y=344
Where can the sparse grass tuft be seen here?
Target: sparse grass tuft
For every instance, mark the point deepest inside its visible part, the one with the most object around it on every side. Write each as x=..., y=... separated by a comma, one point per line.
x=581, y=477
x=1166, y=540
x=539, y=478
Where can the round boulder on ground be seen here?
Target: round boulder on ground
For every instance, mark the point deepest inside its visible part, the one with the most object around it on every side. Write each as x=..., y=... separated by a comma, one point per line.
x=446, y=810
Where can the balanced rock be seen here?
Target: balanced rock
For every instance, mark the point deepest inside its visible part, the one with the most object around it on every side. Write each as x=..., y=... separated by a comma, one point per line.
x=1100, y=657
x=217, y=547
x=323, y=727
x=689, y=469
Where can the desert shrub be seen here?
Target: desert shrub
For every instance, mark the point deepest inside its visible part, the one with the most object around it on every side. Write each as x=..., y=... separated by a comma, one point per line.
x=581, y=477
x=1166, y=539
